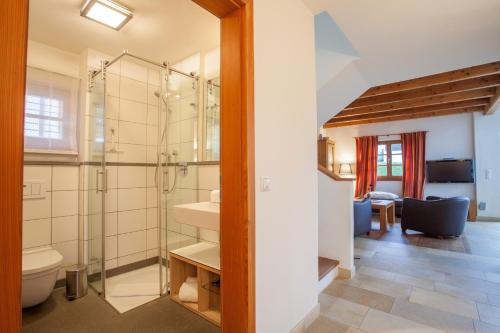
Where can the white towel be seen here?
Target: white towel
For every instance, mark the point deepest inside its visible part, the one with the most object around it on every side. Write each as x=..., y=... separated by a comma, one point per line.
x=189, y=291
x=215, y=196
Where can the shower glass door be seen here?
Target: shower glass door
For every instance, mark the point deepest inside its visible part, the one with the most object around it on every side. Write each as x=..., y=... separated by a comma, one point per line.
x=95, y=162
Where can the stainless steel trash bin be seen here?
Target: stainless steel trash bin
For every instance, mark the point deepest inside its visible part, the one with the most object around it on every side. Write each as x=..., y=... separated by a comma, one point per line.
x=76, y=282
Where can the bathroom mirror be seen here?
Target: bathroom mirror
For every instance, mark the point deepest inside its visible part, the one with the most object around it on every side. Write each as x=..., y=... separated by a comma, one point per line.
x=211, y=102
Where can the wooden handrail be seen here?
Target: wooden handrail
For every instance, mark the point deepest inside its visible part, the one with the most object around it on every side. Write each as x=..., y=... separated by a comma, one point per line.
x=333, y=175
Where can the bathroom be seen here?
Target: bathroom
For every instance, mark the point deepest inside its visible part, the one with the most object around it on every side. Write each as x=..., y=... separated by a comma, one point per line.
x=122, y=150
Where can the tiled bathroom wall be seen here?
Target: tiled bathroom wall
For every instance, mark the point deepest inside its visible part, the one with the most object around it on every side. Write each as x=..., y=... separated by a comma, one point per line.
x=50, y=210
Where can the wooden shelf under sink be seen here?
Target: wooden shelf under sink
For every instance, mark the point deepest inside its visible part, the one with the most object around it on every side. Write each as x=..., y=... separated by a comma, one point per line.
x=182, y=267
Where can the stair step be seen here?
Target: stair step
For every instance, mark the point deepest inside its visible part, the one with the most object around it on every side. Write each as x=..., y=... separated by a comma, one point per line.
x=325, y=266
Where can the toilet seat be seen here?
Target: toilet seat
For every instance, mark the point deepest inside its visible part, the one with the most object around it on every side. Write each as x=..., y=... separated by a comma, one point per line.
x=40, y=260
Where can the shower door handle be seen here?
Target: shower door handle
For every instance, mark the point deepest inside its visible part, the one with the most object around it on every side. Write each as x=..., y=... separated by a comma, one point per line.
x=103, y=174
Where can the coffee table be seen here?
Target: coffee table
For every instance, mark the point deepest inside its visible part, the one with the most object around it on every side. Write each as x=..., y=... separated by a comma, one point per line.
x=387, y=210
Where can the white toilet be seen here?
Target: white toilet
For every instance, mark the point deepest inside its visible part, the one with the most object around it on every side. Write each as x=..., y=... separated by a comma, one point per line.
x=40, y=267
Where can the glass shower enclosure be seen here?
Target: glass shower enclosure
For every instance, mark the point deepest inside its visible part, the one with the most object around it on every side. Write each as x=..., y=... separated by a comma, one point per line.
x=131, y=170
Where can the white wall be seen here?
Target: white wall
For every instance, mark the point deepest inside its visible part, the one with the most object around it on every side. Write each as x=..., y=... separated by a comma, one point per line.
x=285, y=150
x=51, y=219
x=448, y=137
x=487, y=134
x=335, y=221
x=52, y=59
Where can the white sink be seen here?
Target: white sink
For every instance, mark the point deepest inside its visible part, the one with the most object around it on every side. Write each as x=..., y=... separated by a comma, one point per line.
x=204, y=215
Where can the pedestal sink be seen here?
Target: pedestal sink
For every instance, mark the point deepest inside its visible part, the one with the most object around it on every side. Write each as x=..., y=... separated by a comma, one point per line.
x=204, y=215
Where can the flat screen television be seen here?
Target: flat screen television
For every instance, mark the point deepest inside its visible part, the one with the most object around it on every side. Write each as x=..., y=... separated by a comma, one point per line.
x=450, y=171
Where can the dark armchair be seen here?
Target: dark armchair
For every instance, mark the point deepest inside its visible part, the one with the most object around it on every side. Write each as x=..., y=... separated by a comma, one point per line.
x=435, y=216
x=362, y=217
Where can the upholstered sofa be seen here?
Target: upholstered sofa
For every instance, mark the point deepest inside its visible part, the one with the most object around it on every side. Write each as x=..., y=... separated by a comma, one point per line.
x=362, y=217
x=435, y=216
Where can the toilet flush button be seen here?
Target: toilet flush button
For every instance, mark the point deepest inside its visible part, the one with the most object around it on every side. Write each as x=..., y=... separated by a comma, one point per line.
x=265, y=184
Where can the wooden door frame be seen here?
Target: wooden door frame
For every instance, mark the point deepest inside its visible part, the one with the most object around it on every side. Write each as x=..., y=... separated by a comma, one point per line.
x=237, y=163
x=237, y=160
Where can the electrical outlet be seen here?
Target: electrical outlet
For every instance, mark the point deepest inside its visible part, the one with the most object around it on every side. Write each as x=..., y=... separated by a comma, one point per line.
x=482, y=205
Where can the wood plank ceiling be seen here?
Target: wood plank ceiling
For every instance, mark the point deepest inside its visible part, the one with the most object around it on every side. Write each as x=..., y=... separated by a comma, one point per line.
x=473, y=89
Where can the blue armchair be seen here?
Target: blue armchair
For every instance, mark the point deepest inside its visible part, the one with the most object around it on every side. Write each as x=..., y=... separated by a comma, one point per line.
x=362, y=217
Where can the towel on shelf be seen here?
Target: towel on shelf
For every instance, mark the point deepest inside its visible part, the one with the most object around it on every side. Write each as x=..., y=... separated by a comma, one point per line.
x=215, y=196
x=189, y=290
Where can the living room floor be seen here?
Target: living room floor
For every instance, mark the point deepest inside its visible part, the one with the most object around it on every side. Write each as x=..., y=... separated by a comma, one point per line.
x=482, y=238
x=400, y=287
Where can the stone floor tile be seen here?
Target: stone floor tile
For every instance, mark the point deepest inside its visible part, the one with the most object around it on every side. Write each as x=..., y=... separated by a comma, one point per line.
x=361, y=296
x=342, y=311
x=444, y=302
x=381, y=322
x=489, y=314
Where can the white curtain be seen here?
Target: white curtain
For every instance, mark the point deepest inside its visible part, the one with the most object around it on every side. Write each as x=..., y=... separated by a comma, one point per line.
x=51, y=112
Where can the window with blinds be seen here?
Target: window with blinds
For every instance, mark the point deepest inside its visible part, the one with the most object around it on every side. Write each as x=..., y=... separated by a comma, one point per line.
x=51, y=113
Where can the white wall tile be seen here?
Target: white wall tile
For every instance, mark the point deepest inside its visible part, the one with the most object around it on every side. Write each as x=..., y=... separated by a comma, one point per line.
x=113, y=85
x=132, y=133
x=131, y=176
x=65, y=178
x=132, y=220
x=131, y=243
x=133, y=198
x=112, y=131
x=111, y=247
x=36, y=233
x=69, y=251
x=37, y=208
x=209, y=177
x=112, y=176
x=187, y=152
x=112, y=107
x=189, y=107
x=152, y=99
x=152, y=154
x=189, y=180
x=64, y=203
x=134, y=71
x=188, y=130
x=173, y=133
x=133, y=111
x=111, y=201
x=154, y=77
x=125, y=260
x=152, y=115
x=152, y=218
x=111, y=224
x=152, y=135
x=152, y=197
x=134, y=153
x=152, y=238
x=209, y=235
x=133, y=90
x=64, y=228
x=112, y=263
x=151, y=253
x=150, y=176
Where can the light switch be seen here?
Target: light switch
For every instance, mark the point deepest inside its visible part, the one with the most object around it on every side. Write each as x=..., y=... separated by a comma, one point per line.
x=36, y=189
x=265, y=184
x=487, y=174
x=26, y=189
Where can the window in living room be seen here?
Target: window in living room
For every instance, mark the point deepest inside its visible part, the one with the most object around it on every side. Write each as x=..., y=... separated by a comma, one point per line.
x=390, y=161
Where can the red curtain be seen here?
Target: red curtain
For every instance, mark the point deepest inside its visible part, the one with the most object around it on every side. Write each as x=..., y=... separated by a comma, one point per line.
x=366, y=165
x=413, y=164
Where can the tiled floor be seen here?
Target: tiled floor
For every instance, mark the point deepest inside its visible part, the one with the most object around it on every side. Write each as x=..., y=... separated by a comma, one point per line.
x=91, y=314
x=478, y=238
x=404, y=288
x=130, y=290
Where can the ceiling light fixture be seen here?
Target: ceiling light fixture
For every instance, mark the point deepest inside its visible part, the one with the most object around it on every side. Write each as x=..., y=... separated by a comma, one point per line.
x=106, y=12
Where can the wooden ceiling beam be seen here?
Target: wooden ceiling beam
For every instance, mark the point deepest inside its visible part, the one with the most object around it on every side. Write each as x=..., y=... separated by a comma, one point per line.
x=427, y=81
x=438, y=107
x=405, y=117
x=441, y=89
x=423, y=101
x=494, y=103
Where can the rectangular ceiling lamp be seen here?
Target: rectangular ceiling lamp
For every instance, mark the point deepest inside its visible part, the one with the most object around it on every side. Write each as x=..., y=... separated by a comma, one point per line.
x=106, y=12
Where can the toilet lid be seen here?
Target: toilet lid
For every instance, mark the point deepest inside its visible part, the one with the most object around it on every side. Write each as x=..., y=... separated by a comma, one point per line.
x=39, y=260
